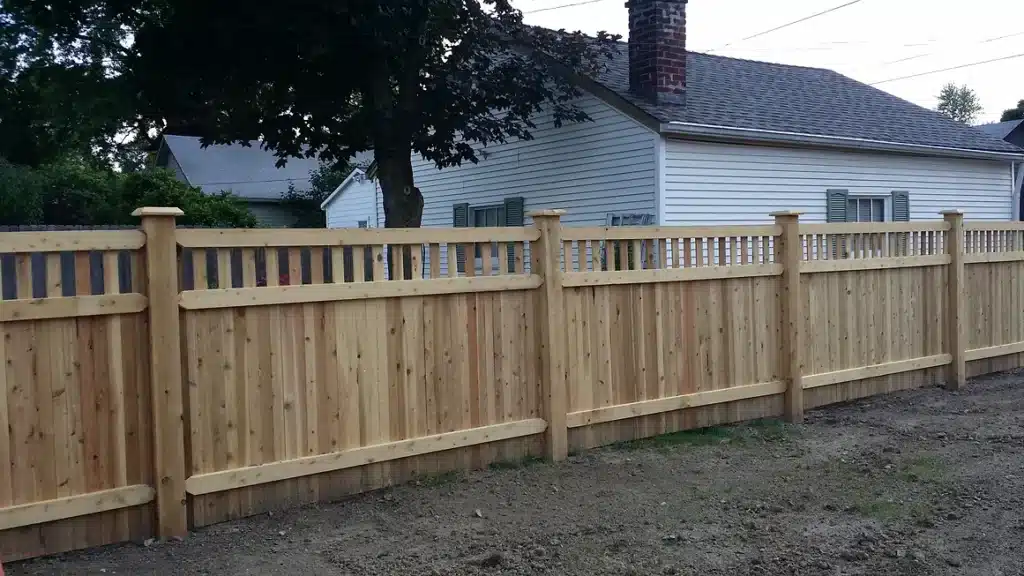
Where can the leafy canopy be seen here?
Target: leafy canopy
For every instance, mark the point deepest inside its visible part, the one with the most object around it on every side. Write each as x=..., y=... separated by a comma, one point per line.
x=1014, y=113
x=327, y=78
x=304, y=205
x=63, y=95
x=959, y=103
x=76, y=193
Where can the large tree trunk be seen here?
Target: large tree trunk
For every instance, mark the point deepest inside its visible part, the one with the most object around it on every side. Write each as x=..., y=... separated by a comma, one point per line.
x=403, y=202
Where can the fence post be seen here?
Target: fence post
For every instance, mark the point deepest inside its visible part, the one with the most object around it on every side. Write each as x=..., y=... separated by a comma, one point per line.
x=787, y=253
x=165, y=369
x=546, y=256
x=955, y=337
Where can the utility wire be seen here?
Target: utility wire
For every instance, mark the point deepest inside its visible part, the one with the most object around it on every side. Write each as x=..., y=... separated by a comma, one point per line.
x=252, y=181
x=787, y=25
x=972, y=64
x=559, y=7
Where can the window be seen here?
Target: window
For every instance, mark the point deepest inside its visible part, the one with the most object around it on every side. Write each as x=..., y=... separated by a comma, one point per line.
x=484, y=217
x=616, y=254
x=841, y=206
x=629, y=219
x=865, y=209
x=508, y=213
x=362, y=223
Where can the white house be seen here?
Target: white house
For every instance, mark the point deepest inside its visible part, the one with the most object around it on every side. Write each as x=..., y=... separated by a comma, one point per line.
x=734, y=141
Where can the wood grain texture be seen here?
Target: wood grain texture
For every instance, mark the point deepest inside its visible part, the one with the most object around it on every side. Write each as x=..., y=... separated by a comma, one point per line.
x=76, y=429
x=323, y=378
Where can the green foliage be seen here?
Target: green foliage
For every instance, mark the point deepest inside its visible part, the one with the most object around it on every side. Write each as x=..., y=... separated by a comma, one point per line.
x=305, y=204
x=435, y=77
x=64, y=98
x=1014, y=113
x=75, y=193
x=959, y=103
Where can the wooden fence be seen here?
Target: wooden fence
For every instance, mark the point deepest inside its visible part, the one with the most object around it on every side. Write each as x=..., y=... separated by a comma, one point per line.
x=164, y=379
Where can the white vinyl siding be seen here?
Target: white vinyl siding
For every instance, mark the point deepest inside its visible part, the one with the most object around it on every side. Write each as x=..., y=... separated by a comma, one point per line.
x=356, y=203
x=588, y=168
x=709, y=183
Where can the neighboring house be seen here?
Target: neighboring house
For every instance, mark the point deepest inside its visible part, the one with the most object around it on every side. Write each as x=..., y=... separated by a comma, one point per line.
x=1012, y=132
x=362, y=209
x=248, y=172
x=735, y=141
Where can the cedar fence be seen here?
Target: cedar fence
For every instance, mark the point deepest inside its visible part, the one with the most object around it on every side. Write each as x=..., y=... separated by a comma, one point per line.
x=161, y=379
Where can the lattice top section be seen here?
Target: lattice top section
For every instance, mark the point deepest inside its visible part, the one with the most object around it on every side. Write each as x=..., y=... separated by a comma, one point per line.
x=853, y=241
x=993, y=237
x=218, y=259
x=665, y=247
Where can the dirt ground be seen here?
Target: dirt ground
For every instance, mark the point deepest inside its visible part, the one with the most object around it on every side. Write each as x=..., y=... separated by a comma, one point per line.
x=920, y=482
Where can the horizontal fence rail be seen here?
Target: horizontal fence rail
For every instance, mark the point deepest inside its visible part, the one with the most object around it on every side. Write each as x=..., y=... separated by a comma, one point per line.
x=165, y=378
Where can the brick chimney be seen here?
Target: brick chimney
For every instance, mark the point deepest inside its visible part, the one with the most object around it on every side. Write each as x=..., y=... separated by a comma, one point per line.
x=657, y=50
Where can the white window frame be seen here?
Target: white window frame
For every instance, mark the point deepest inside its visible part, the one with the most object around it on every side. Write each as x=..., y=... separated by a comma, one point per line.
x=634, y=219
x=886, y=199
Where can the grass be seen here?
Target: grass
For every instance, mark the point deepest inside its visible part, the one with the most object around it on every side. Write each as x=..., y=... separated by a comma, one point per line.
x=767, y=430
x=927, y=469
x=906, y=493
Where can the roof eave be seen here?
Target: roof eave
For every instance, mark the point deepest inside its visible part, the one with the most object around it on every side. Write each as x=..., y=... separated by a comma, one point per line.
x=337, y=191
x=756, y=136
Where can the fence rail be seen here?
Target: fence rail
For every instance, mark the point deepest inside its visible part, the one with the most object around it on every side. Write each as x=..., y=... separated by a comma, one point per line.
x=165, y=378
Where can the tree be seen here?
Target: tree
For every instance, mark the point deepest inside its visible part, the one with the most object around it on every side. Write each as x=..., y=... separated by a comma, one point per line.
x=305, y=204
x=77, y=193
x=62, y=99
x=1014, y=113
x=328, y=79
x=959, y=103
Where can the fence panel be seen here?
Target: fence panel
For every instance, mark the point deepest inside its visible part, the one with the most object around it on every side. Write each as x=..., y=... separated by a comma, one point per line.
x=75, y=439
x=874, y=298
x=994, y=284
x=334, y=379
x=320, y=363
x=662, y=319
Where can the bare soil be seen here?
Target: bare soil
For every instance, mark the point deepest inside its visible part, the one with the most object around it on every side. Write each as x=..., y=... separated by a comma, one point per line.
x=919, y=482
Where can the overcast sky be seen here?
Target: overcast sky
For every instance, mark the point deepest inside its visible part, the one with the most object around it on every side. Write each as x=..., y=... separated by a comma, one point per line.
x=871, y=40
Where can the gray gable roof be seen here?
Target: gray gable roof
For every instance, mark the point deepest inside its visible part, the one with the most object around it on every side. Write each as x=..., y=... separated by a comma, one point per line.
x=249, y=172
x=735, y=93
x=1000, y=129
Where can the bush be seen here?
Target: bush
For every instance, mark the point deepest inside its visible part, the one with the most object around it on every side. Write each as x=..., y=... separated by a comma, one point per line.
x=76, y=193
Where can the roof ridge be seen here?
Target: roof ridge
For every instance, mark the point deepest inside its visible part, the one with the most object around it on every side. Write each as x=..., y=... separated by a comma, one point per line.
x=735, y=59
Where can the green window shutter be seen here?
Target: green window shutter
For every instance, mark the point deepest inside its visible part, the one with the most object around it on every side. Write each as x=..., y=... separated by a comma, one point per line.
x=460, y=219
x=835, y=205
x=900, y=206
x=514, y=216
x=901, y=213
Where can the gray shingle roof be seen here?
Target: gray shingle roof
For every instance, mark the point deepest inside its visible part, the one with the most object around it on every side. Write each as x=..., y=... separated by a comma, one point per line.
x=248, y=172
x=737, y=93
x=1000, y=129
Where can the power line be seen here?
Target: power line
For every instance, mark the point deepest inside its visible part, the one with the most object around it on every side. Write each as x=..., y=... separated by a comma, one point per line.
x=252, y=181
x=560, y=6
x=788, y=24
x=985, y=41
x=950, y=68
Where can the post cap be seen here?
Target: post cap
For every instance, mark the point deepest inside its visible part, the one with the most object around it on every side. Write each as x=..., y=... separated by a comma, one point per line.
x=158, y=211
x=543, y=213
x=954, y=212
x=786, y=213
